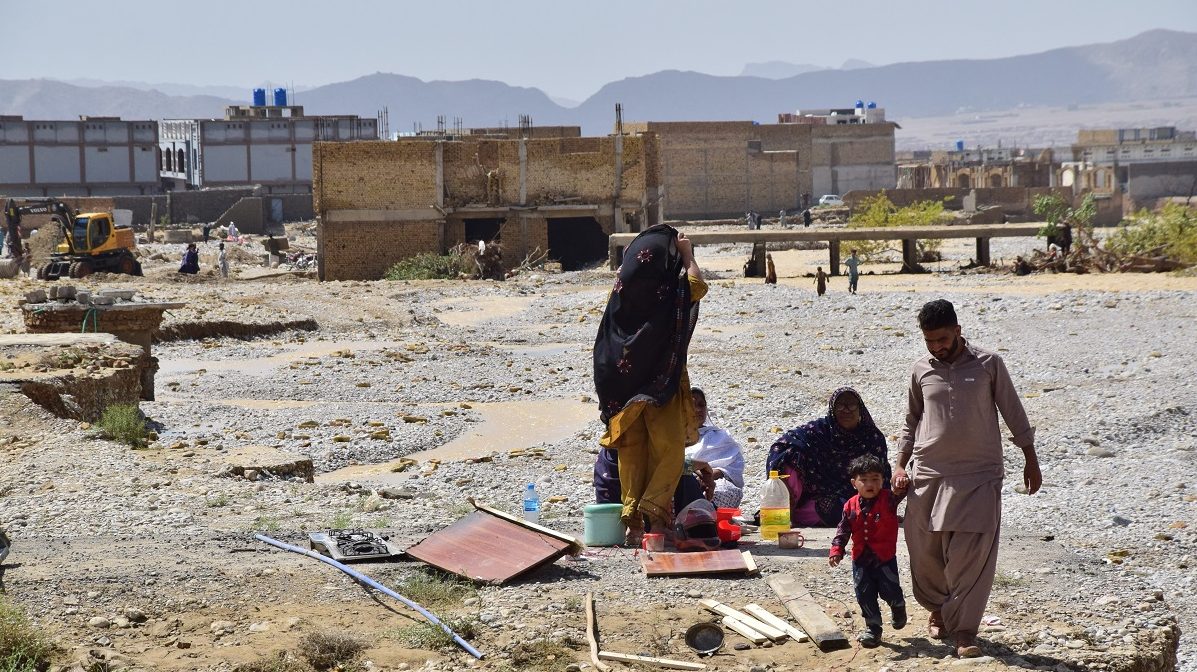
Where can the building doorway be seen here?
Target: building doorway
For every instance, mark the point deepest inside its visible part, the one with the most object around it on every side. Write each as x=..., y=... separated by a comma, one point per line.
x=576, y=242
x=487, y=229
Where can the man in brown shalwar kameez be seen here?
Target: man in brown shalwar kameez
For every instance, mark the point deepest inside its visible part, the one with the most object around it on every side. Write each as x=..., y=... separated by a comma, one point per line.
x=953, y=446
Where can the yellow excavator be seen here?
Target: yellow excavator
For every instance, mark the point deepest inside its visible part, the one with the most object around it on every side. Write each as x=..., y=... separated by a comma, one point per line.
x=93, y=242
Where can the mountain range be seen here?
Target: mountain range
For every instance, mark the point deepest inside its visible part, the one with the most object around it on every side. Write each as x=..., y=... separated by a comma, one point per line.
x=1155, y=65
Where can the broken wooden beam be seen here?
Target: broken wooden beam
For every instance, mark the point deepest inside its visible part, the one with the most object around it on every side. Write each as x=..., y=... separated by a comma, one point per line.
x=743, y=630
x=764, y=615
x=759, y=626
x=646, y=660
x=592, y=634
x=798, y=601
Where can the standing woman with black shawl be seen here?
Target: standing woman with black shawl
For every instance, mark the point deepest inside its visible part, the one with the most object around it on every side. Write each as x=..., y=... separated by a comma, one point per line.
x=640, y=373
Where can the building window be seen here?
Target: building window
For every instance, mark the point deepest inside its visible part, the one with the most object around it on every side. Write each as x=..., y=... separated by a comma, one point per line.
x=182, y=162
x=170, y=160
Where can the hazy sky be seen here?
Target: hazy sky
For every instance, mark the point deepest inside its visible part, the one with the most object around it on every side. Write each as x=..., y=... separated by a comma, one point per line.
x=565, y=48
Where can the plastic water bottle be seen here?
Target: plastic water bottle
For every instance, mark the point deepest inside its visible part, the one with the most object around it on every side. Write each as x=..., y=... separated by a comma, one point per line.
x=775, y=507
x=532, y=504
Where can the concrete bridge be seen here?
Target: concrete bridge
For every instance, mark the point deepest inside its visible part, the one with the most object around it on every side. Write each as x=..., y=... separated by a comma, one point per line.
x=833, y=236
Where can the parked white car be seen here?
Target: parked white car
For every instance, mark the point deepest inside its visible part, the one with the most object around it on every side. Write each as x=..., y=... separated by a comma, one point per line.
x=831, y=199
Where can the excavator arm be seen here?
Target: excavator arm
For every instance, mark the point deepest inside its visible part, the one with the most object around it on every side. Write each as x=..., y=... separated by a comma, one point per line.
x=13, y=209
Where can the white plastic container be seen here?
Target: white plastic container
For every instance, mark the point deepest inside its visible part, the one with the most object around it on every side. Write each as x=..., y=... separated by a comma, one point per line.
x=775, y=508
x=531, y=504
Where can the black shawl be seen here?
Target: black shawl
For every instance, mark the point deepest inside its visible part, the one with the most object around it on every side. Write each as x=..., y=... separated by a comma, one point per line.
x=641, y=346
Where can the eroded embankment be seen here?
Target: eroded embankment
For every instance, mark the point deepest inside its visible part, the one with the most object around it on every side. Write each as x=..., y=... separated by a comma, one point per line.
x=184, y=331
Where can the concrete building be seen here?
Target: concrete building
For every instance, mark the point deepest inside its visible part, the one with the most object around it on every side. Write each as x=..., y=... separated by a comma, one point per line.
x=94, y=156
x=715, y=169
x=1143, y=163
x=262, y=145
x=380, y=202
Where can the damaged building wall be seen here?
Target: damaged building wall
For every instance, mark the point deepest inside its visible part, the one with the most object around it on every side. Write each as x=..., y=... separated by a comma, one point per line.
x=714, y=169
x=381, y=202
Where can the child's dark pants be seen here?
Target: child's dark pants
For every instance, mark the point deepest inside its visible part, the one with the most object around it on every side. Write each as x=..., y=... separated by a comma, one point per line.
x=873, y=581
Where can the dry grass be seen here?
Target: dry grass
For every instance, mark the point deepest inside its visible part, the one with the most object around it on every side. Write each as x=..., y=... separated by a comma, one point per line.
x=327, y=650
x=22, y=649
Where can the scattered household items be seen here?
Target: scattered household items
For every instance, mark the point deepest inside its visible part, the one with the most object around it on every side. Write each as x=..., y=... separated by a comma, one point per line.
x=5, y=546
x=60, y=309
x=371, y=583
x=705, y=638
x=653, y=542
x=695, y=527
x=603, y=525
x=597, y=655
x=729, y=532
x=791, y=539
x=352, y=545
x=531, y=503
x=802, y=606
x=298, y=261
x=93, y=242
x=492, y=546
x=752, y=629
x=701, y=562
x=775, y=508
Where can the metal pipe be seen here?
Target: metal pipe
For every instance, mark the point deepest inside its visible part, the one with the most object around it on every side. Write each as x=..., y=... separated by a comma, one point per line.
x=365, y=580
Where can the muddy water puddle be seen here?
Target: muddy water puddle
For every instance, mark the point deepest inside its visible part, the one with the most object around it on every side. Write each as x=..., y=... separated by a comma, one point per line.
x=505, y=426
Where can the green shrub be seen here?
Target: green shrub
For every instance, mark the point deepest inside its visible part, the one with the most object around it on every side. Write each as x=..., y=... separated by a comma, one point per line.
x=124, y=423
x=1172, y=232
x=1056, y=211
x=22, y=649
x=429, y=266
x=879, y=212
x=430, y=637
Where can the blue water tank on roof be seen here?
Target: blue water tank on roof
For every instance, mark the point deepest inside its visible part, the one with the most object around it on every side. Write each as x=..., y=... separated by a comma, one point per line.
x=259, y=97
x=860, y=103
x=959, y=145
x=280, y=97
x=871, y=105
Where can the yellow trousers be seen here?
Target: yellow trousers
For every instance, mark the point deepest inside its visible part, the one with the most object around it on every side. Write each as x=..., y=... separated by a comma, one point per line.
x=651, y=442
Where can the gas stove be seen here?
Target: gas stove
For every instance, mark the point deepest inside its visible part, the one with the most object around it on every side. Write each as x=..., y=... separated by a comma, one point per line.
x=352, y=545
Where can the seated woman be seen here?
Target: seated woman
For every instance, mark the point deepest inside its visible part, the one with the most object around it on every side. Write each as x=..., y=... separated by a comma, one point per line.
x=816, y=455
x=190, y=260
x=717, y=449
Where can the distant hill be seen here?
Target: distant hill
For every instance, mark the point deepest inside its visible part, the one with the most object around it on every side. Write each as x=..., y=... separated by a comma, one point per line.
x=778, y=69
x=1156, y=65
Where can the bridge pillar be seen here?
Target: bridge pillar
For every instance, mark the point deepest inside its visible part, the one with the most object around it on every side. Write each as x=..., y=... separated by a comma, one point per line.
x=834, y=247
x=910, y=259
x=614, y=255
x=983, y=251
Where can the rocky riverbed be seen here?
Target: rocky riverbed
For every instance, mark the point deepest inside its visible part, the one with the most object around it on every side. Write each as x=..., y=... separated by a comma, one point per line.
x=147, y=557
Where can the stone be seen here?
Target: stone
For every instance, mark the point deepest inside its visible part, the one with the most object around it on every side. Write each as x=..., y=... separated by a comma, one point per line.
x=1097, y=451
x=396, y=493
x=741, y=646
x=222, y=627
x=694, y=594
x=259, y=627
x=99, y=622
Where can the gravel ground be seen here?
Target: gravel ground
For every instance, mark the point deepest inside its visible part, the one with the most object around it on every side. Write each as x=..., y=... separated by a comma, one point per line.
x=1093, y=569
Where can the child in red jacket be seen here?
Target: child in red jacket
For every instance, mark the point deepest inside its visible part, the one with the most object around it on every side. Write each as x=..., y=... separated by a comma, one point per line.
x=871, y=519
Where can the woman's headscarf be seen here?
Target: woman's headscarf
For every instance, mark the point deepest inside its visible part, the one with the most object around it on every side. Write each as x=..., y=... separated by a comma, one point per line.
x=718, y=449
x=641, y=345
x=820, y=452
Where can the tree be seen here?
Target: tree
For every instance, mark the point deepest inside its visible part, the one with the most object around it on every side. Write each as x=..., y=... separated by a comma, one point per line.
x=879, y=212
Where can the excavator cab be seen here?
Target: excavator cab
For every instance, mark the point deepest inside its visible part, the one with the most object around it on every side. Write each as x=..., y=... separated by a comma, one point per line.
x=96, y=233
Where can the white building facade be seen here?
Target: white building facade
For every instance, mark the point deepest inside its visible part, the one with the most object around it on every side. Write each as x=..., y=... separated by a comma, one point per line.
x=94, y=156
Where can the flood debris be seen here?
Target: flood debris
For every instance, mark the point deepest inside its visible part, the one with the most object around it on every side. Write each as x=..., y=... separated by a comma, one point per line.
x=494, y=547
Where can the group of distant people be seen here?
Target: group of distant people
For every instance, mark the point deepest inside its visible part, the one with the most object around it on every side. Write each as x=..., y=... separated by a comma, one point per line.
x=190, y=262
x=661, y=452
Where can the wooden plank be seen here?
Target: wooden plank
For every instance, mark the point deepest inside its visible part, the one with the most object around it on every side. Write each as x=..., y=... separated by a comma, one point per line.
x=798, y=601
x=764, y=615
x=488, y=548
x=702, y=562
x=745, y=631
x=592, y=634
x=657, y=662
x=765, y=629
x=748, y=560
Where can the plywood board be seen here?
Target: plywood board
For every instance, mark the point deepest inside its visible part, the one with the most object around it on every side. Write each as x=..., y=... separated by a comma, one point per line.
x=489, y=548
x=798, y=601
x=702, y=562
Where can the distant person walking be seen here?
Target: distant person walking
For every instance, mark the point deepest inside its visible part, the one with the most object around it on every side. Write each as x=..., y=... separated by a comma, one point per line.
x=820, y=281
x=222, y=259
x=952, y=446
x=853, y=264
x=806, y=218
x=207, y=229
